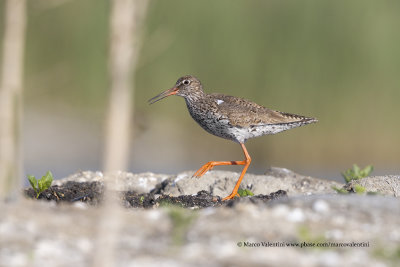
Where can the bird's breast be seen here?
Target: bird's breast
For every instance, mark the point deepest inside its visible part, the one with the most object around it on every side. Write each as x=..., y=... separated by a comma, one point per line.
x=212, y=121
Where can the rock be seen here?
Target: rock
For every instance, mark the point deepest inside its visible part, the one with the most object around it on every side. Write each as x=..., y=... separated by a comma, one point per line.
x=221, y=183
x=388, y=185
x=218, y=183
x=124, y=181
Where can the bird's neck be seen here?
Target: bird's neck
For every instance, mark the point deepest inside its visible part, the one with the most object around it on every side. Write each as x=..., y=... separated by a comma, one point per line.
x=194, y=97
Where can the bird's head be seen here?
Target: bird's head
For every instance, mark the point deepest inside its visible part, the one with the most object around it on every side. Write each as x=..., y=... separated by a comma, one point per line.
x=186, y=86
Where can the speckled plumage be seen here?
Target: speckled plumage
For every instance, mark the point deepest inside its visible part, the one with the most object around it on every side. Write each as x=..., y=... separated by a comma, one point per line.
x=232, y=118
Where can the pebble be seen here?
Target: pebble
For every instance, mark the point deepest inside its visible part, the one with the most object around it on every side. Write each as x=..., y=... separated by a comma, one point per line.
x=321, y=206
x=296, y=215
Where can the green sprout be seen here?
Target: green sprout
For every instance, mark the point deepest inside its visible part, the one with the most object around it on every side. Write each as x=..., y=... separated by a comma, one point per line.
x=359, y=189
x=340, y=190
x=245, y=193
x=356, y=173
x=308, y=235
x=42, y=184
x=181, y=220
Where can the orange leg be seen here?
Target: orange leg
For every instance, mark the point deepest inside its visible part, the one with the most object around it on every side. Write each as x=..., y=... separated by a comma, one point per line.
x=209, y=165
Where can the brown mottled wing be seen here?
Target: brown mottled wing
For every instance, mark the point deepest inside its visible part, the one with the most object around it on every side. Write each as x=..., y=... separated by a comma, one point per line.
x=244, y=113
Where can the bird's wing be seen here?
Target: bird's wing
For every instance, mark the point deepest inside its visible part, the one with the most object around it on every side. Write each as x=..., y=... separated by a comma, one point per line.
x=244, y=113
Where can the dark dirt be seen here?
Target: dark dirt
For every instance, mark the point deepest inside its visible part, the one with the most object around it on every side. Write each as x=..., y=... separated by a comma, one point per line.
x=92, y=193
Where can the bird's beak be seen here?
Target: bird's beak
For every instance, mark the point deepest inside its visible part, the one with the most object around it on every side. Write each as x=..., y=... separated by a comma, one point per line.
x=172, y=91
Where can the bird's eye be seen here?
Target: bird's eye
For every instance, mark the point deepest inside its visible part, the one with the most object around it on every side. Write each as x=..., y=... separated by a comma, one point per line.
x=186, y=82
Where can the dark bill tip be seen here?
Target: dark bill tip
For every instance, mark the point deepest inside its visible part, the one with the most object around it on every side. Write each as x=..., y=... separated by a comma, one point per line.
x=172, y=91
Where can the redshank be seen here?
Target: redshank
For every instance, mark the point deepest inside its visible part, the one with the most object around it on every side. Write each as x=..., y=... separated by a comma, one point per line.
x=232, y=118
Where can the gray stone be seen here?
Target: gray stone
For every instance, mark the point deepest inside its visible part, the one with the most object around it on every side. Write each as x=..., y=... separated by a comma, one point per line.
x=218, y=183
x=386, y=185
x=221, y=183
x=124, y=181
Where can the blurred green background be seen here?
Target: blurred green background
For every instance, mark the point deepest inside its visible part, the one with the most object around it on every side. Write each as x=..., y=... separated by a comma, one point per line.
x=338, y=61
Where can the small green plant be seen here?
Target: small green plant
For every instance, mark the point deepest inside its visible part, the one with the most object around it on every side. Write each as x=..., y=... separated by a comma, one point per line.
x=42, y=184
x=389, y=255
x=308, y=238
x=168, y=203
x=245, y=193
x=356, y=173
x=181, y=220
x=340, y=190
x=359, y=189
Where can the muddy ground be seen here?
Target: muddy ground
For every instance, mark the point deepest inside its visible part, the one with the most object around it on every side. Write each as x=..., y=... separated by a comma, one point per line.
x=92, y=193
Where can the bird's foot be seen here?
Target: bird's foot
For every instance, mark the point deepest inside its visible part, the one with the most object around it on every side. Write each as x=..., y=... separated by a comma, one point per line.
x=205, y=168
x=231, y=196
